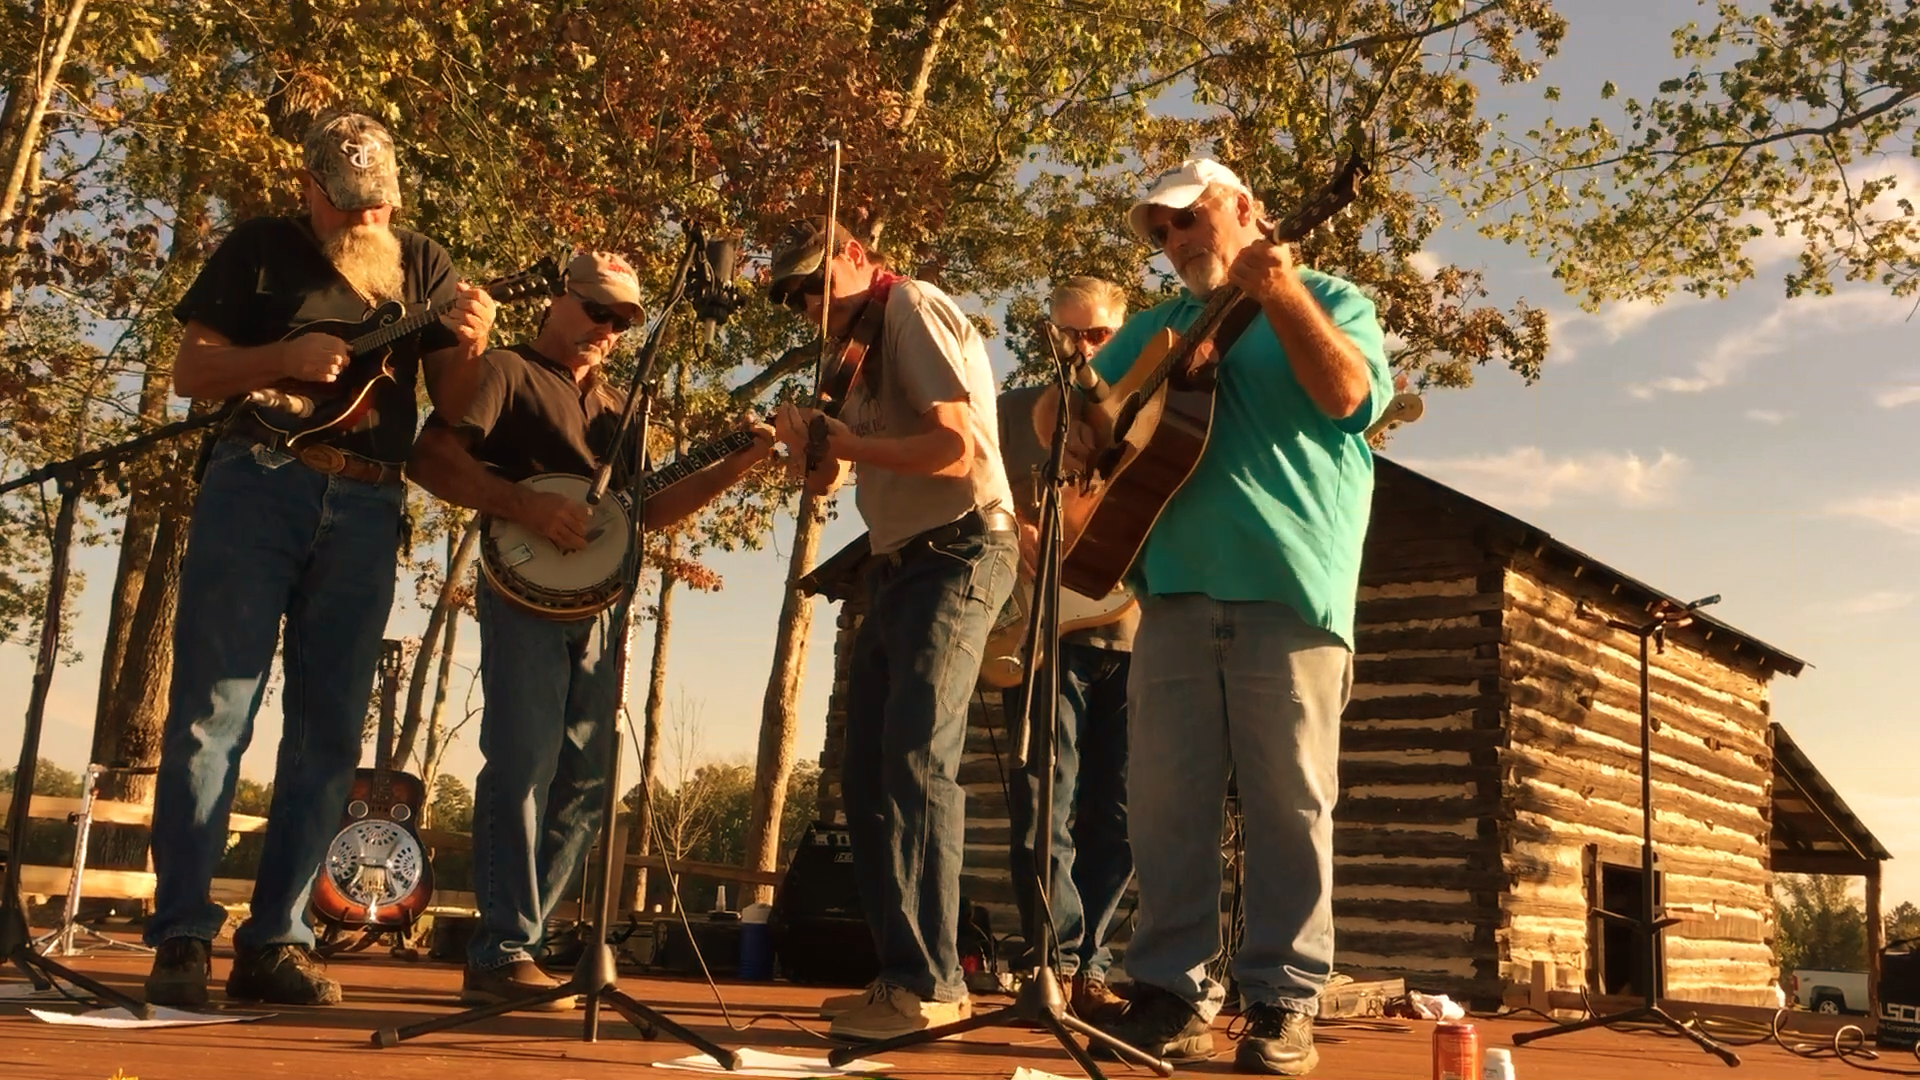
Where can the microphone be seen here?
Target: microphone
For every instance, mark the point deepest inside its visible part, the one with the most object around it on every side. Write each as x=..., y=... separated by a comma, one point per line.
x=719, y=301
x=1088, y=380
x=297, y=404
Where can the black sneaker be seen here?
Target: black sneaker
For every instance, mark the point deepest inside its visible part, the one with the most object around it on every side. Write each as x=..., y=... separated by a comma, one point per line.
x=1162, y=1024
x=181, y=968
x=280, y=975
x=1275, y=1040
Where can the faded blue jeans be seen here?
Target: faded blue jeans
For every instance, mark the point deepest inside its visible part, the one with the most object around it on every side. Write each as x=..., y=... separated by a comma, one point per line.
x=915, y=659
x=546, y=732
x=270, y=540
x=1091, y=862
x=1251, y=689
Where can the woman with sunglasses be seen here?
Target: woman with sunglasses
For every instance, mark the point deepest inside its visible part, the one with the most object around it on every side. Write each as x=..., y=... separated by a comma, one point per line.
x=920, y=425
x=550, y=685
x=1244, y=655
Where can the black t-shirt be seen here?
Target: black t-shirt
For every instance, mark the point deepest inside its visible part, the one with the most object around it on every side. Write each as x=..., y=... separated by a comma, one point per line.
x=530, y=416
x=269, y=276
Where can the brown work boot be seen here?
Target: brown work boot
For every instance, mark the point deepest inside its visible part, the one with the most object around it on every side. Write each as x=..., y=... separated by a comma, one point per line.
x=181, y=968
x=509, y=982
x=280, y=975
x=1093, y=1002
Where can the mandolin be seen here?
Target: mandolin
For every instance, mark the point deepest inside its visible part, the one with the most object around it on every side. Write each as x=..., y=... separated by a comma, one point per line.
x=1155, y=423
x=303, y=411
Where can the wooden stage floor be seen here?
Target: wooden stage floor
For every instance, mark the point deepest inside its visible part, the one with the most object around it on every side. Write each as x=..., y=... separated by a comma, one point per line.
x=332, y=1044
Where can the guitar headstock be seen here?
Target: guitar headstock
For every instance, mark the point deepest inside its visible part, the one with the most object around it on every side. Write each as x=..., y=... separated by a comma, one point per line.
x=1335, y=197
x=542, y=278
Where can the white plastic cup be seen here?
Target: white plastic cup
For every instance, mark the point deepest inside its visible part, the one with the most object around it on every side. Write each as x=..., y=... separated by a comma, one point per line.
x=1496, y=1063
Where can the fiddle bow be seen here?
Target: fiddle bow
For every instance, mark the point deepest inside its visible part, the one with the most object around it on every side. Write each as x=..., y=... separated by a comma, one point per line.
x=840, y=361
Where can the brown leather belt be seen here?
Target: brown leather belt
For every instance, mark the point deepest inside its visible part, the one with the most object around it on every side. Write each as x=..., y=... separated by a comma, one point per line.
x=321, y=458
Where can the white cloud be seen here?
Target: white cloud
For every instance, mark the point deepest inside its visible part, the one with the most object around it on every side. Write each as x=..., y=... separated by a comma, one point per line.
x=1425, y=263
x=1768, y=249
x=1898, y=510
x=1877, y=602
x=1790, y=322
x=1572, y=331
x=1897, y=396
x=1767, y=416
x=1526, y=477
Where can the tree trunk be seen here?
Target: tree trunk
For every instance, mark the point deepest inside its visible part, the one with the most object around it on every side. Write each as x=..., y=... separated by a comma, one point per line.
x=136, y=551
x=26, y=149
x=438, y=738
x=641, y=842
x=780, y=709
x=459, y=562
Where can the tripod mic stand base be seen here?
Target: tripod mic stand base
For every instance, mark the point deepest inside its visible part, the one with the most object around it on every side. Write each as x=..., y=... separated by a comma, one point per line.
x=1642, y=1012
x=596, y=978
x=1041, y=1002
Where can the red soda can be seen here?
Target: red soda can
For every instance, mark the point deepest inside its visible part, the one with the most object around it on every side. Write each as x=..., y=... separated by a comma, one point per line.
x=1456, y=1052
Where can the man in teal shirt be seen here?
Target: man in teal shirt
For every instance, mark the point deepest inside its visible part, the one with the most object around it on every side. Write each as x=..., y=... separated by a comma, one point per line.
x=1244, y=657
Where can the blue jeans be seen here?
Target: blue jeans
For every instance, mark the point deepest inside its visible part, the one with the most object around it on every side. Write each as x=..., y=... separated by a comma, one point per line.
x=1091, y=863
x=915, y=659
x=551, y=691
x=270, y=539
x=1246, y=688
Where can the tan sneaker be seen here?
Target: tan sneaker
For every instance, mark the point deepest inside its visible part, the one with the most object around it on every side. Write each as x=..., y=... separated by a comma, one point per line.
x=841, y=1004
x=894, y=1011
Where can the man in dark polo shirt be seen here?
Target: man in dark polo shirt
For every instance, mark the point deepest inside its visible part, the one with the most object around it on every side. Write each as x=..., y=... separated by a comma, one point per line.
x=310, y=537
x=551, y=686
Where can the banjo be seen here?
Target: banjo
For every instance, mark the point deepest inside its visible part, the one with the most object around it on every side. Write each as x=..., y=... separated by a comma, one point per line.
x=534, y=575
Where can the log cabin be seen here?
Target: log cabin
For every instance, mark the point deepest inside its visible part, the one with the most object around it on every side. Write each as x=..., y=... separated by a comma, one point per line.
x=1490, y=771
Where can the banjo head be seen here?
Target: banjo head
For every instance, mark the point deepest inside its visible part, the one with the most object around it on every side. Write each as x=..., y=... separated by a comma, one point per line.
x=527, y=567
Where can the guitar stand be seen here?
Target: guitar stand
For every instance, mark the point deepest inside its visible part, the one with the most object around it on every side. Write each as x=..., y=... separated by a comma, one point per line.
x=60, y=941
x=71, y=477
x=1041, y=1001
x=596, y=976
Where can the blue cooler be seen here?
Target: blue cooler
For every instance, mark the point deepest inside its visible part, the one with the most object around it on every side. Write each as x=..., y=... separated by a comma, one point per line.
x=756, y=943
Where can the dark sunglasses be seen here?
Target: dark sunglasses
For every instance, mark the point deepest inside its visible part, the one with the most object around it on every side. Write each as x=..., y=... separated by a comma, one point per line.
x=1182, y=218
x=603, y=314
x=1095, y=336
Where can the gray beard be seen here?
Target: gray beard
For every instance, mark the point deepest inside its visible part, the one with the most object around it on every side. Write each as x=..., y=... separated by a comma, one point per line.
x=368, y=256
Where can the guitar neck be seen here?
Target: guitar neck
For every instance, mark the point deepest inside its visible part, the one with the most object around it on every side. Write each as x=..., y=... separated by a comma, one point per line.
x=1206, y=327
x=694, y=460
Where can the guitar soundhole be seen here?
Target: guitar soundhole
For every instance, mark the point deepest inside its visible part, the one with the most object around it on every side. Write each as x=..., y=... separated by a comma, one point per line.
x=357, y=808
x=401, y=812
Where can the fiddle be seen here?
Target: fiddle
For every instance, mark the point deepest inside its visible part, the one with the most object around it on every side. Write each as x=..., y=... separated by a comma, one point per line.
x=837, y=379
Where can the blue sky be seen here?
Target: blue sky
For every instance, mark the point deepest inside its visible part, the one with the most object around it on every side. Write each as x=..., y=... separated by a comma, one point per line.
x=1753, y=447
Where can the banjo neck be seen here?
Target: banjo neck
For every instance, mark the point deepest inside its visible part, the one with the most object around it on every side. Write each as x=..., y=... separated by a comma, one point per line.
x=695, y=460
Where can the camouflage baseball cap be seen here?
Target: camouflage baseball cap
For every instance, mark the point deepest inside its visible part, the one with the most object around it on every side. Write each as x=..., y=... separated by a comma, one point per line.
x=351, y=157
x=798, y=253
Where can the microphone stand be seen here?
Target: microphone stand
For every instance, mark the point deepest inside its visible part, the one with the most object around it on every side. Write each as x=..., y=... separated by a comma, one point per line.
x=1041, y=1000
x=70, y=477
x=1665, y=615
x=596, y=974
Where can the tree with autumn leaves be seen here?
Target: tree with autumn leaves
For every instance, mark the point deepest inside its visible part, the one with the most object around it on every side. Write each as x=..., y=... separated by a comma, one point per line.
x=989, y=148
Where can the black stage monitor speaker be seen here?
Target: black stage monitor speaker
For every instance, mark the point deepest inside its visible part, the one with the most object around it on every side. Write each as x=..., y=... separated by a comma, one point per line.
x=1899, y=1020
x=820, y=933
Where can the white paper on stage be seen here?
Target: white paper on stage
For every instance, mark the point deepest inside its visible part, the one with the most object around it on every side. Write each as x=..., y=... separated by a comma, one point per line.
x=1024, y=1073
x=162, y=1017
x=781, y=1066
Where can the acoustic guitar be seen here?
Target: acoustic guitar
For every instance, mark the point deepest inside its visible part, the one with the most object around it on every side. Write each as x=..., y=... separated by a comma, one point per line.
x=376, y=876
x=302, y=410
x=1155, y=423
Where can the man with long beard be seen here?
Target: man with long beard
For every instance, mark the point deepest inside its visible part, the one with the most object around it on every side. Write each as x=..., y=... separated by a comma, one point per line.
x=309, y=536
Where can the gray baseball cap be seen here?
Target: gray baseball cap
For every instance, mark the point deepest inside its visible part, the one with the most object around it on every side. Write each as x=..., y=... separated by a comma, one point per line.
x=351, y=157
x=798, y=253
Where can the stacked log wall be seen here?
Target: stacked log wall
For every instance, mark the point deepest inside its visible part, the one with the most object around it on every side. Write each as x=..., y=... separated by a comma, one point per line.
x=1418, y=872
x=1571, y=763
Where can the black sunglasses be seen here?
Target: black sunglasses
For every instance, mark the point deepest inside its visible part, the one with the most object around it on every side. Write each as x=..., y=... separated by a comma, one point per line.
x=1182, y=218
x=603, y=314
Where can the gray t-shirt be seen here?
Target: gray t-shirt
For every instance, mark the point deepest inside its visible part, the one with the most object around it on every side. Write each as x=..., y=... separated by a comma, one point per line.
x=1026, y=458
x=929, y=353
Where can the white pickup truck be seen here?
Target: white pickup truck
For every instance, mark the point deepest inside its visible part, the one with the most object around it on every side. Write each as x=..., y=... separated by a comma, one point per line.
x=1830, y=991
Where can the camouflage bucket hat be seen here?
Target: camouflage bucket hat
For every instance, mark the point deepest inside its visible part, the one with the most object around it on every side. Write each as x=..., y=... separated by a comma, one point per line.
x=351, y=157
x=798, y=254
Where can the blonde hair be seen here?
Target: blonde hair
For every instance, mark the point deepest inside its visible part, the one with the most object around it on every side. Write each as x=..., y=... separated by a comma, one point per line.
x=1097, y=293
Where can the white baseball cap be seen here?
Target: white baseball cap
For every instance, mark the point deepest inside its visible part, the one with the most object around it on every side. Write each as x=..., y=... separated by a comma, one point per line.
x=1179, y=188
